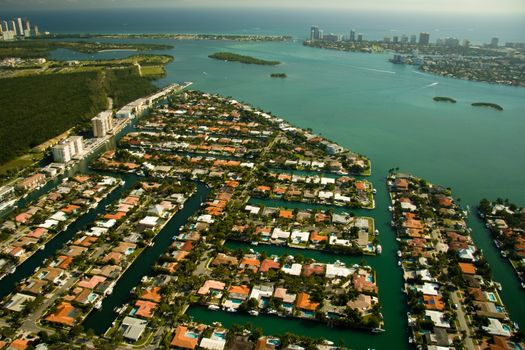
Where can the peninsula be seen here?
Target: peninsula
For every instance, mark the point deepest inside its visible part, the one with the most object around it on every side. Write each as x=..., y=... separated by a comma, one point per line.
x=179, y=36
x=506, y=222
x=233, y=57
x=447, y=278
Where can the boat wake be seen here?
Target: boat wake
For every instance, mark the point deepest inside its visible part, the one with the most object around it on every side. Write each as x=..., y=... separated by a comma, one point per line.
x=374, y=70
x=431, y=84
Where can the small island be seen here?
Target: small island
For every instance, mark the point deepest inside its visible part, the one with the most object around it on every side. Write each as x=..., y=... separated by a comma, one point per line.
x=444, y=99
x=233, y=57
x=278, y=75
x=487, y=104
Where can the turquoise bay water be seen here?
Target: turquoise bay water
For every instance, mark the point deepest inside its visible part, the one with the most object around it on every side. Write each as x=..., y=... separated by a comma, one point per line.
x=386, y=112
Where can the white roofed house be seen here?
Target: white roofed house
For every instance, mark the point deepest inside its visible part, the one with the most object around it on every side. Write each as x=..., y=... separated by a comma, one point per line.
x=279, y=236
x=299, y=237
x=261, y=293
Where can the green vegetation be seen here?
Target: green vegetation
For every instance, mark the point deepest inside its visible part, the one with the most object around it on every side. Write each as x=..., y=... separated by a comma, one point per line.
x=38, y=107
x=444, y=99
x=42, y=48
x=152, y=71
x=278, y=75
x=487, y=104
x=233, y=57
x=125, y=85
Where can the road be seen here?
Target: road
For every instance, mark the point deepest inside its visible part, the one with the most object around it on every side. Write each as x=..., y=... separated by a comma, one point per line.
x=463, y=324
x=30, y=324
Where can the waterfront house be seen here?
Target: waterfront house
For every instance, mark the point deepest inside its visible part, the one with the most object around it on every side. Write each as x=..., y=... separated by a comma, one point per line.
x=305, y=305
x=262, y=293
x=438, y=318
x=293, y=269
x=495, y=327
x=144, y=308
x=91, y=283
x=50, y=274
x=184, y=339
x=151, y=294
x=236, y=295
x=314, y=269
x=65, y=314
x=363, y=303
x=288, y=299
x=132, y=328
x=213, y=287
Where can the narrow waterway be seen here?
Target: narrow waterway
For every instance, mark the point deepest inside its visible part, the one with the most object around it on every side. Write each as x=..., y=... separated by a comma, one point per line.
x=100, y=320
x=388, y=279
x=27, y=268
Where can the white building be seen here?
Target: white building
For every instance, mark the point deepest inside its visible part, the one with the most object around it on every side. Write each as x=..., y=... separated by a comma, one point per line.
x=61, y=153
x=102, y=123
x=68, y=149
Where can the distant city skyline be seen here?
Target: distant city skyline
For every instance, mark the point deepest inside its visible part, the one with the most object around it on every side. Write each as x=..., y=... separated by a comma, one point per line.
x=450, y=6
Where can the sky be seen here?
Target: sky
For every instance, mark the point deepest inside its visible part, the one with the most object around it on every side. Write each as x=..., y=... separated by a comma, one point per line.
x=451, y=6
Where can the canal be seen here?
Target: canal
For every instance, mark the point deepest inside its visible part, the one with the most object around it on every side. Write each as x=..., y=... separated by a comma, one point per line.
x=389, y=280
x=100, y=320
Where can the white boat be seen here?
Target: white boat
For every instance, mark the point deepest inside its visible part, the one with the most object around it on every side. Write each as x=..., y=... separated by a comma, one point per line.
x=503, y=253
x=498, y=286
x=399, y=254
x=374, y=191
x=213, y=307
x=376, y=231
x=254, y=243
x=378, y=330
x=379, y=249
x=98, y=305
x=254, y=312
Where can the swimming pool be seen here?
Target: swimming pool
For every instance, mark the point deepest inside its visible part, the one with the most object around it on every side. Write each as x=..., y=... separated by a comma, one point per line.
x=192, y=335
x=219, y=335
x=491, y=297
x=91, y=297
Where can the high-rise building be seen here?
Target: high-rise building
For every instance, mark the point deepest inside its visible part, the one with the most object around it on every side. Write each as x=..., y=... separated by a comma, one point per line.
x=102, y=123
x=4, y=26
x=13, y=28
x=494, y=42
x=451, y=42
x=67, y=149
x=424, y=39
x=360, y=37
x=386, y=39
x=76, y=145
x=61, y=153
x=395, y=39
x=413, y=39
x=352, y=35
x=404, y=39
x=332, y=37
x=315, y=33
x=20, y=27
